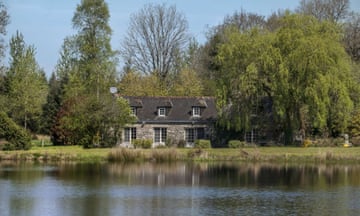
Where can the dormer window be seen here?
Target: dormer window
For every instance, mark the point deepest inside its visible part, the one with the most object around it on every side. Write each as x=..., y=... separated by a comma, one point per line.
x=196, y=111
x=162, y=111
x=133, y=111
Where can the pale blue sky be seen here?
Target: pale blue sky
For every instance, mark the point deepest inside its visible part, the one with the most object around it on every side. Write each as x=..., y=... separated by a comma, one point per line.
x=45, y=23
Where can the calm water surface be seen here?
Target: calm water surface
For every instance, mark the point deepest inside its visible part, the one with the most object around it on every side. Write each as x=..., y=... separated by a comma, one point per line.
x=178, y=189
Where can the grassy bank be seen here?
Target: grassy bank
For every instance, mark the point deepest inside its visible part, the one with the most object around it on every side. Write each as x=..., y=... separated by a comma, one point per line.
x=263, y=154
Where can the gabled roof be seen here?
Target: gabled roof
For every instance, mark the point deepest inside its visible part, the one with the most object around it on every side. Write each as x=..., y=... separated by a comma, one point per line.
x=178, y=109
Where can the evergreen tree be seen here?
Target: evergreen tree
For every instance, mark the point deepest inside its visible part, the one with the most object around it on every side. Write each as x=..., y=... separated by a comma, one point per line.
x=27, y=87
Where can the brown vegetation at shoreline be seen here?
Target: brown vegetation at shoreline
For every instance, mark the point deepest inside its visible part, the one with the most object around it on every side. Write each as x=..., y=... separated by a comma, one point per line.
x=262, y=154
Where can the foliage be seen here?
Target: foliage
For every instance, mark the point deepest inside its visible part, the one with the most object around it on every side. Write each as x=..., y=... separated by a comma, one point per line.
x=236, y=144
x=301, y=68
x=89, y=115
x=17, y=138
x=354, y=127
x=175, y=143
x=27, y=86
x=4, y=21
x=91, y=122
x=202, y=144
x=186, y=83
x=307, y=143
x=135, y=84
x=355, y=141
x=142, y=143
x=52, y=105
x=96, y=60
x=328, y=142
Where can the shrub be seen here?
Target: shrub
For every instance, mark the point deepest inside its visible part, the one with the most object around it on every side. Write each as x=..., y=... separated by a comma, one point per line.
x=181, y=144
x=328, y=142
x=170, y=142
x=175, y=143
x=338, y=141
x=136, y=143
x=17, y=137
x=147, y=143
x=355, y=141
x=307, y=143
x=142, y=143
x=236, y=144
x=201, y=143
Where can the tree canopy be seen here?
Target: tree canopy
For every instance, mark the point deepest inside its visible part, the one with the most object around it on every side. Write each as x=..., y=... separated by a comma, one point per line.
x=27, y=88
x=156, y=38
x=89, y=115
x=302, y=68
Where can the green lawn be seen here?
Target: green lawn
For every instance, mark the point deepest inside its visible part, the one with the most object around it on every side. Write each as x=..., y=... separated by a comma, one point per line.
x=260, y=154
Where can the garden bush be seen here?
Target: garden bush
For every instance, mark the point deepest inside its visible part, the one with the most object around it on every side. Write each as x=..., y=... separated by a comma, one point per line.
x=355, y=141
x=17, y=138
x=236, y=144
x=142, y=143
x=181, y=144
x=175, y=143
x=201, y=143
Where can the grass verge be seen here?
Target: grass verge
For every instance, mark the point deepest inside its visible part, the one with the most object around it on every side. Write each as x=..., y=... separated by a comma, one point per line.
x=263, y=154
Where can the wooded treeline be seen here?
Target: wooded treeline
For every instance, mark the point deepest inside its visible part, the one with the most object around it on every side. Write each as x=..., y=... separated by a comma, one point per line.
x=291, y=74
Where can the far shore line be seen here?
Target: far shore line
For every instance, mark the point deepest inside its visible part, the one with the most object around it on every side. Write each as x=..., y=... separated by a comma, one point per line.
x=253, y=154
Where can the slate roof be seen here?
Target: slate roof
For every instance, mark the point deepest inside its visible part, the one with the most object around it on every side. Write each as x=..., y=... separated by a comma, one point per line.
x=178, y=109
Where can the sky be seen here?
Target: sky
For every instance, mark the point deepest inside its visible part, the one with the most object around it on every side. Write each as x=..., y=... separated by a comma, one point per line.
x=46, y=23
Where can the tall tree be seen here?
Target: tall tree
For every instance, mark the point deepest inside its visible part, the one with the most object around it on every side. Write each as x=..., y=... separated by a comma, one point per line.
x=241, y=21
x=331, y=10
x=27, y=82
x=52, y=105
x=88, y=64
x=352, y=36
x=244, y=21
x=302, y=68
x=4, y=21
x=155, y=40
x=97, y=60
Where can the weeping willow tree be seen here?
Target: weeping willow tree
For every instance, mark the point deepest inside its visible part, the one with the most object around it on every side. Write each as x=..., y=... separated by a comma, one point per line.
x=302, y=68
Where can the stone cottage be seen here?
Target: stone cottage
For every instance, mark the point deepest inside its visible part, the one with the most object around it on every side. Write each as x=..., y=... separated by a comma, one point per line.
x=179, y=120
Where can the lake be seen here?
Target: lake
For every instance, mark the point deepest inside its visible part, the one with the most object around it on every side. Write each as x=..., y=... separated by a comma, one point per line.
x=178, y=189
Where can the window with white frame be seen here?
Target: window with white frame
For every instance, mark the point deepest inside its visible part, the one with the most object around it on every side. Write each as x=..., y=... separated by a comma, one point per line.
x=252, y=136
x=160, y=135
x=161, y=111
x=192, y=134
x=196, y=111
x=129, y=134
x=189, y=135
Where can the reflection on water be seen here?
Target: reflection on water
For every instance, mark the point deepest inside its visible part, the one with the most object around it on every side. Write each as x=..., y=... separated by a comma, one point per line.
x=179, y=189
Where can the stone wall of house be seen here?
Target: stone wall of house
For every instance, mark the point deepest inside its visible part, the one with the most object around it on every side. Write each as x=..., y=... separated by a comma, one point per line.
x=175, y=132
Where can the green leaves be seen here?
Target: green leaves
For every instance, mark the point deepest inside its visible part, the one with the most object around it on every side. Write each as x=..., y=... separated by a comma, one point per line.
x=17, y=137
x=89, y=114
x=27, y=83
x=302, y=68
